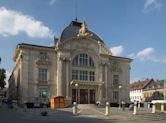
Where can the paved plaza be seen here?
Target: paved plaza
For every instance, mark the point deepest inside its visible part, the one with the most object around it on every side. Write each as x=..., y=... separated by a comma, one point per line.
x=89, y=114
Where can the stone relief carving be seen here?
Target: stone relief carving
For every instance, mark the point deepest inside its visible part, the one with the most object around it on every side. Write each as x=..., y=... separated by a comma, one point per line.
x=103, y=49
x=65, y=59
x=43, y=59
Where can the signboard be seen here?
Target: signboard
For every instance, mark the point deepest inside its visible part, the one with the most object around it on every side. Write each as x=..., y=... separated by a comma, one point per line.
x=44, y=93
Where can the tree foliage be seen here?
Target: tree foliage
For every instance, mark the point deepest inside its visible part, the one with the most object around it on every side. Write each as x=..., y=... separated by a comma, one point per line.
x=2, y=78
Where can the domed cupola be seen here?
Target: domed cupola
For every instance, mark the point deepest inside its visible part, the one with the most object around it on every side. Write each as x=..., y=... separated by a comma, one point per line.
x=77, y=29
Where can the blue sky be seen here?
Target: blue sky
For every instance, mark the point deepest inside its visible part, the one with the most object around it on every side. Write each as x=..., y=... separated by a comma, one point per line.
x=130, y=28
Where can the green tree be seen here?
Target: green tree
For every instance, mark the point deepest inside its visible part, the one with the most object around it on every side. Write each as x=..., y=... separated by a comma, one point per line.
x=2, y=78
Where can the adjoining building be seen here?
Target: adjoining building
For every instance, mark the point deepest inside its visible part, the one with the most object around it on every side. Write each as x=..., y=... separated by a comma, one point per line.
x=154, y=90
x=78, y=67
x=136, y=90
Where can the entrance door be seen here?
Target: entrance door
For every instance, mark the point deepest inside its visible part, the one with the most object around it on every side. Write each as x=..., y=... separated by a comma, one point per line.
x=73, y=95
x=83, y=96
x=92, y=96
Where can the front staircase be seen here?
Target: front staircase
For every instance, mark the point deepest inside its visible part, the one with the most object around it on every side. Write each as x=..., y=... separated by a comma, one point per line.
x=86, y=106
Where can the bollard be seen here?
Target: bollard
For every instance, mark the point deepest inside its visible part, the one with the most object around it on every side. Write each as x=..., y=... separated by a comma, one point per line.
x=162, y=107
x=139, y=104
x=153, y=108
x=25, y=107
x=148, y=105
x=107, y=108
x=135, y=108
x=44, y=110
x=74, y=108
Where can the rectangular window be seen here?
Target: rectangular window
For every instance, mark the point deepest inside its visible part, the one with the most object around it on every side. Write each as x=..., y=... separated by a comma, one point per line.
x=83, y=75
x=115, y=95
x=83, y=59
x=74, y=74
x=42, y=74
x=115, y=80
x=92, y=76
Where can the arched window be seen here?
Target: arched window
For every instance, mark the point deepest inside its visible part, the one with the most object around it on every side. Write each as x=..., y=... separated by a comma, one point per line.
x=83, y=60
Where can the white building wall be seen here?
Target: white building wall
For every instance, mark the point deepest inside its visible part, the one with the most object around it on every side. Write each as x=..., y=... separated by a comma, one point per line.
x=136, y=95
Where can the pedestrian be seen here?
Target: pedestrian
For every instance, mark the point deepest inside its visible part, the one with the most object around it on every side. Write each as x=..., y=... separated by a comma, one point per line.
x=123, y=105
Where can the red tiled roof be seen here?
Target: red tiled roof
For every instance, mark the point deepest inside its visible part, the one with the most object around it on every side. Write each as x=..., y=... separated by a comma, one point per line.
x=139, y=84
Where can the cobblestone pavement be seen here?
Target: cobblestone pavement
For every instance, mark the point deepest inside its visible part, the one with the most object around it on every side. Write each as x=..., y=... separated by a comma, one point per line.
x=116, y=114
x=88, y=114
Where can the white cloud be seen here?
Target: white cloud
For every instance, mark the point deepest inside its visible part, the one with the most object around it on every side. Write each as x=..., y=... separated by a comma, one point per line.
x=150, y=5
x=13, y=23
x=145, y=53
x=117, y=50
x=52, y=2
x=148, y=54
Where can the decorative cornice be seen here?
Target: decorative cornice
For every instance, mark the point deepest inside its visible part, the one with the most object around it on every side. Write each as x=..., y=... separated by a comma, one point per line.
x=81, y=82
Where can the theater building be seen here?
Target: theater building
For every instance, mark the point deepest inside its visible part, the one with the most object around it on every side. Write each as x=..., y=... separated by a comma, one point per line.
x=78, y=67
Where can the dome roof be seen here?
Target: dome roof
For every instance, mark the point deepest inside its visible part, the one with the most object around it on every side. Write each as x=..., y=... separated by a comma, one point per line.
x=72, y=30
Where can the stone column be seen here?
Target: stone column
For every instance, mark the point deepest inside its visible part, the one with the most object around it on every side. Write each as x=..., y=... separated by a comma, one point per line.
x=100, y=92
x=59, y=76
x=101, y=80
x=67, y=79
x=106, y=84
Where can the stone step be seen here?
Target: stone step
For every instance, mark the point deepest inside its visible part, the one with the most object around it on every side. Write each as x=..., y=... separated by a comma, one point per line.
x=86, y=106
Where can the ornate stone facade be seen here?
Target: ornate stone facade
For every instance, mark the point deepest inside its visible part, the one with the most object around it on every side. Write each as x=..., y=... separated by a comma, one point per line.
x=79, y=67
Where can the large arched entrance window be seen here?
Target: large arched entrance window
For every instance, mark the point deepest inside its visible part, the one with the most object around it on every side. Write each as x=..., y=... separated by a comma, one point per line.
x=83, y=69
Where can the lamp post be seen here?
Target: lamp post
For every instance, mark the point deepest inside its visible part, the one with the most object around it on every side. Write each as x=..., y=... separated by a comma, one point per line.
x=120, y=86
x=76, y=85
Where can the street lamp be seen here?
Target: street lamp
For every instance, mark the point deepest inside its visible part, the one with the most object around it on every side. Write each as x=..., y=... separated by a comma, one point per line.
x=76, y=85
x=120, y=86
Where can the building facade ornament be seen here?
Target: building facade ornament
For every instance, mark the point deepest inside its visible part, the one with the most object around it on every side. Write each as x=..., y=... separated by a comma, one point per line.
x=83, y=32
